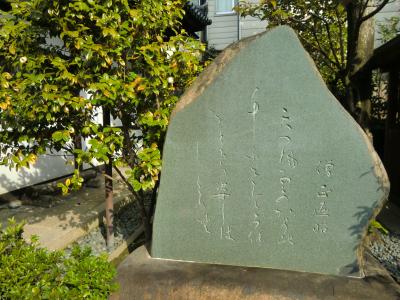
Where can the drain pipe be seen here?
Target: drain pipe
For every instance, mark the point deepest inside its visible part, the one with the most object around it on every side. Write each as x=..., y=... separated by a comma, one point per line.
x=204, y=37
x=239, y=35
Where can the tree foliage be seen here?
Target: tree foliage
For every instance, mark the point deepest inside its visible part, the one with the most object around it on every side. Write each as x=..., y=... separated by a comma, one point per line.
x=320, y=26
x=333, y=32
x=131, y=57
x=389, y=29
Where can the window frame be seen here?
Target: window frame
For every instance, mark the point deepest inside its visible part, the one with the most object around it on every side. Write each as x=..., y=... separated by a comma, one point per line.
x=224, y=13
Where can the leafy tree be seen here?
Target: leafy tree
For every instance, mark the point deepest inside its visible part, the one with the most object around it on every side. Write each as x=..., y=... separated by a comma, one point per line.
x=389, y=28
x=131, y=57
x=338, y=34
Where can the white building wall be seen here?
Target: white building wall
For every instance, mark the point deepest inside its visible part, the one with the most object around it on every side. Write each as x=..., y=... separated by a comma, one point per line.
x=229, y=28
x=46, y=168
x=250, y=26
x=224, y=28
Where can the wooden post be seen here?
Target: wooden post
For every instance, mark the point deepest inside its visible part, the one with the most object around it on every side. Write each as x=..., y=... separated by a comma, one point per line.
x=108, y=184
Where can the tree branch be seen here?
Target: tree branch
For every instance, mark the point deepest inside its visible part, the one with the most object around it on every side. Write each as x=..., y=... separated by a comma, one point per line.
x=68, y=149
x=364, y=7
x=375, y=11
x=341, y=42
x=321, y=50
x=128, y=150
x=326, y=60
x=328, y=31
x=143, y=214
x=125, y=180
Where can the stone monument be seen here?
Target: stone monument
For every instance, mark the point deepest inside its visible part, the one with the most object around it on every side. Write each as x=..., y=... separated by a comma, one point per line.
x=262, y=167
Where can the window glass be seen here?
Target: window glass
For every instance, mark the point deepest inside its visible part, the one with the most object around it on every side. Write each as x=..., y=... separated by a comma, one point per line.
x=225, y=5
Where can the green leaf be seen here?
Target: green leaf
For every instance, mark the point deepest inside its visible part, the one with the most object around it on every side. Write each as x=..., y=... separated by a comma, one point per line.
x=136, y=185
x=57, y=136
x=379, y=226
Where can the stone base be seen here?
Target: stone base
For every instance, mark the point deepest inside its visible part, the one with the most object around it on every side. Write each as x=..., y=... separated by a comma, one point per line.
x=142, y=277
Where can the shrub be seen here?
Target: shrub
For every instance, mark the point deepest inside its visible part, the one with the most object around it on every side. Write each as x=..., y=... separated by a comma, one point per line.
x=31, y=272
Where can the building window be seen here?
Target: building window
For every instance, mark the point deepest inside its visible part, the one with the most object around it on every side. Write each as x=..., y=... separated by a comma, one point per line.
x=225, y=6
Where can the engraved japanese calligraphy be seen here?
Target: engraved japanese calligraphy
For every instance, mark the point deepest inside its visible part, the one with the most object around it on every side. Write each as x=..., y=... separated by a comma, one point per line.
x=287, y=164
x=259, y=167
x=255, y=235
x=325, y=170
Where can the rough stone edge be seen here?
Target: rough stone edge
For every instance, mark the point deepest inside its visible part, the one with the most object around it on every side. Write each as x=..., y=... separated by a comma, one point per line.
x=378, y=170
x=212, y=72
x=383, y=179
x=223, y=59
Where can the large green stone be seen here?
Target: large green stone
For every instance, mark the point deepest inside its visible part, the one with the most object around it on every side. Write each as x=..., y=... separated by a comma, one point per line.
x=263, y=167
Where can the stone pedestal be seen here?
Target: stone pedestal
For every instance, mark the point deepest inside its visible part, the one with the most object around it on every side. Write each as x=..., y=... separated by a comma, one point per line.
x=142, y=277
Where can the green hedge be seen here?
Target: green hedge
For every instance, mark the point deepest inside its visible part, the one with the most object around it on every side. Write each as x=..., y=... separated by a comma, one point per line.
x=30, y=272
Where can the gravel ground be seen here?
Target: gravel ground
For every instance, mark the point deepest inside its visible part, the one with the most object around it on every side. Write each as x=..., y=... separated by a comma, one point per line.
x=386, y=248
x=126, y=221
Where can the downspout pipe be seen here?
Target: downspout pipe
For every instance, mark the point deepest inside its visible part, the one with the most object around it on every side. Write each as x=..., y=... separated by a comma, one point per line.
x=204, y=38
x=239, y=35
